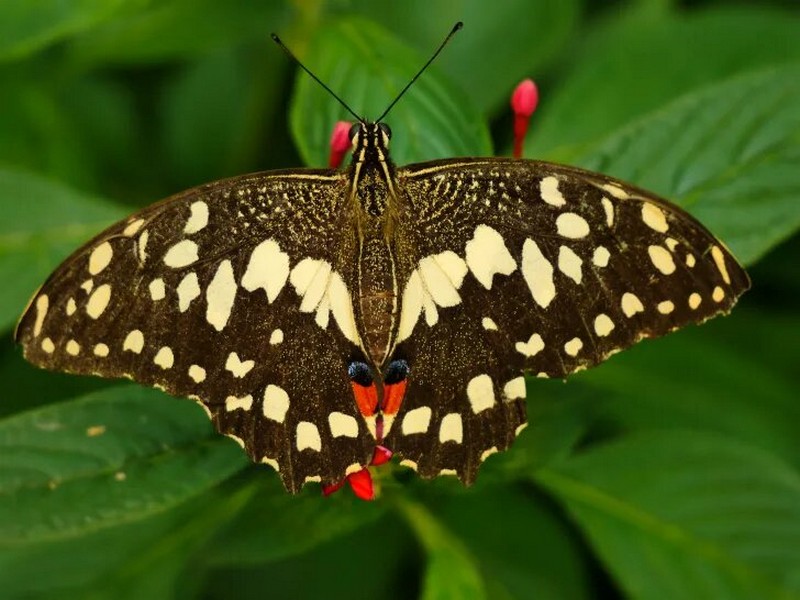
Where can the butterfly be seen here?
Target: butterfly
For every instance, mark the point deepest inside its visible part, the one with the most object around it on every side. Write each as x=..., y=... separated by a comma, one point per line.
x=318, y=315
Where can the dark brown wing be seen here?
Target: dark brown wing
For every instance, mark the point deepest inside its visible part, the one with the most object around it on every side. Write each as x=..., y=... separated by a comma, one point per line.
x=236, y=294
x=515, y=266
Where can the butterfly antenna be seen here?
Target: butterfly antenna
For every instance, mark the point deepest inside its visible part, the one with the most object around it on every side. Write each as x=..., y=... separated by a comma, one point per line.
x=457, y=27
x=278, y=41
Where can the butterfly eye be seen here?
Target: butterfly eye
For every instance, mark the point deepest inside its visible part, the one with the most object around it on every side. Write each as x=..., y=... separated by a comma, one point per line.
x=354, y=130
x=396, y=372
x=359, y=372
x=385, y=130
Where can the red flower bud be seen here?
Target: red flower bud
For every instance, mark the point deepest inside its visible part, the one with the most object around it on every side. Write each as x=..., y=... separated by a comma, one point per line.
x=339, y=144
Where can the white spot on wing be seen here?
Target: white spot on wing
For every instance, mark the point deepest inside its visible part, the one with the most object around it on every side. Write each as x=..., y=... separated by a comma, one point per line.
x=237, y=367
x=220, y=295
x=100, y=350
x=719, y=260
x=268, y=269
x=695, y=300
x=276, y=337
x=48, y=345
x=308, y=436
x=342, y=308
x=188, y=289
x=197, y=373
x=571, y=225
x=100, y=258
x=413, y=299
x=631, y=304
x=73, y=348
x=133, y=227
x=417, y=420
x=569, y=264
x=324, y=291
x=718, y=294
x=661, y=259
x=42, y=306
x=538, y=273
x=487, y=255
x=600, y=256
x=603, y=325
x=550, y=192
x=157, y=289
x=454, y=267
x=71, y=307
x=451, y=429
x=615, y=191
x=276, y=403
x=573, y=346
x=488, y=324
x=141, y=246
x=271, y=462
x=134, y=341
x=608, y=208
x=342, y=425
x=436, y=281
x=244, y=403
x=198, y=218
x=98, y=301
x=532, y=347
x=181, y=254
x=654, y=217
x=164, y=358
x=665, y=307
x=515, y=389
x=488, y=452
x=480, y=392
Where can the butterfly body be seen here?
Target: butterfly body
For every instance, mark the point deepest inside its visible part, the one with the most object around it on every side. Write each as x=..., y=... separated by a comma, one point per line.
x=316, y=314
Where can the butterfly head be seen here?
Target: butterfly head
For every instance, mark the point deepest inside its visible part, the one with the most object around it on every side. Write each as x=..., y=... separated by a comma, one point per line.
x=370, y=142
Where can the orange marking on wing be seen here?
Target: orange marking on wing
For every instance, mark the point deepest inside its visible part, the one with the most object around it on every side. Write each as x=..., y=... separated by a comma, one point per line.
x=366, y=398
x=393, y=395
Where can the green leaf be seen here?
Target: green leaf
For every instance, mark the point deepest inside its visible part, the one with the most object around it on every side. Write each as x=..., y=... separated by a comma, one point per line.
x=682, y=514
x=142, y=559
x=112, y=457
x=518, y=540
x=42, y=223
x=558, y=417
x=368, y=68
x=215, y=114
x=28, y=26
x=730, y=154
x=632, y=66
x=374, y=561
x=275, y=525
x=451, y=571
x=706, y=378
x=501, y=43
x=170, y=29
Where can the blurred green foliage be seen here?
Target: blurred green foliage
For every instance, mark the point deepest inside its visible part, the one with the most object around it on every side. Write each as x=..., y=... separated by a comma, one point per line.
x=672, y=471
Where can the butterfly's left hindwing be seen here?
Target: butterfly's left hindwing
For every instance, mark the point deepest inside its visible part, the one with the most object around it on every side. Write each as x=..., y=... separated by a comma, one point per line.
x=510, y=266
x=238, y=294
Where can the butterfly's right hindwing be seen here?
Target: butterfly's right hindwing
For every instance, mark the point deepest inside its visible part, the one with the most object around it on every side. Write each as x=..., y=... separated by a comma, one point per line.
x=238, y=294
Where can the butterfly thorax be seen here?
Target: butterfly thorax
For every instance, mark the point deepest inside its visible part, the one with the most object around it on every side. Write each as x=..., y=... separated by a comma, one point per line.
x=372, y=191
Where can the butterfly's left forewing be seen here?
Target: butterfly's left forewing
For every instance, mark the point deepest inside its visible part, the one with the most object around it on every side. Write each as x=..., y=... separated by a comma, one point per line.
x=238, y=294
x=521, y=266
